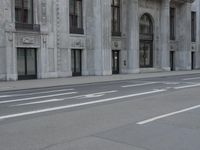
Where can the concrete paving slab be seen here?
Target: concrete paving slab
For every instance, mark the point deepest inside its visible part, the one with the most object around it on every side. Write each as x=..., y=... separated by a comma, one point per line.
x=40, y=83
x=93, y=143
x=155, y=136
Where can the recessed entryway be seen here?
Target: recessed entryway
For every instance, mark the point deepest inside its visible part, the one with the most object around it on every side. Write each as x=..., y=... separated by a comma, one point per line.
x=172, y=60
x=115, y=61
x=26, y=63
x=193, y=60
x=76, y=62
x=146, y=41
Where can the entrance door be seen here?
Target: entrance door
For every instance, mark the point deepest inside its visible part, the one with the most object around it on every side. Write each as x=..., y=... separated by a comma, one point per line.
x=146, y=54
x=115, y=62
x=193, y=60
x=172, y=62
x=26, y=63
x=76, y=62
x=146, y=41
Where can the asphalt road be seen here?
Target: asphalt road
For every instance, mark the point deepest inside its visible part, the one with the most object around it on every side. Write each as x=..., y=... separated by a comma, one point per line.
x=146, y=114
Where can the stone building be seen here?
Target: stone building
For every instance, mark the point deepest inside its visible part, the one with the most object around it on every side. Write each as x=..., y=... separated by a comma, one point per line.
x=63, y=38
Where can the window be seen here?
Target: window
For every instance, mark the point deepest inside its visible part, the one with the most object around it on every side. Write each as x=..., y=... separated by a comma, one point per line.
x=116, y=18
x=172, y=23
x=24, y=11
x=193, y=26
x=76, y=16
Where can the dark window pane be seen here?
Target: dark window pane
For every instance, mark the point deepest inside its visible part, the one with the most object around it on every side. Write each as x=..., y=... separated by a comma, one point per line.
x=24, y=11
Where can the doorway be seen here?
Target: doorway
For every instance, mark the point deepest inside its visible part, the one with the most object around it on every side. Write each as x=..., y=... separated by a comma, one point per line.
x=115, y=62
x=146, y=41
x=26, y=63
x=172, y=60
x=76, y=62
x=193, y=60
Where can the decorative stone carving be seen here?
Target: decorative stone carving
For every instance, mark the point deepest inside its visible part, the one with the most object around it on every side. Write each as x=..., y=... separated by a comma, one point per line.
x=43, y=12
x=77, y=42
x=24, y=40
x=116, y=45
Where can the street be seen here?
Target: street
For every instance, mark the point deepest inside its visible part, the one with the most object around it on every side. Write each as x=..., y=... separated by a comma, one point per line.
x=161, y=113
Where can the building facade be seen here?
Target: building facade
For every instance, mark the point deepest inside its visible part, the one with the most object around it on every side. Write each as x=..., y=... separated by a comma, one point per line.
x=63, y=38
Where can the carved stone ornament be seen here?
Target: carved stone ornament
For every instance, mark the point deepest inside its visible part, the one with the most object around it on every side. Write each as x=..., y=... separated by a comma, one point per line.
x=28, y=40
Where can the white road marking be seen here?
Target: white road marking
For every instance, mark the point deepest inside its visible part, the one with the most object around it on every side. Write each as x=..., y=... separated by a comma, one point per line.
x=58, y=100
x=77, y=105
x=168, y=115
x=187, y=79
x=135, y=85
x=45, y=92
x=38, y=97
x=187, y=86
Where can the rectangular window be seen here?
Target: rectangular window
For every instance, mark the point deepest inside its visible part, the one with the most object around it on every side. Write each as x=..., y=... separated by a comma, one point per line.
x=116, y=18
x=76, y=16
x=193, y=26
x=24, y=16
x=172, y=23
x=24, y=11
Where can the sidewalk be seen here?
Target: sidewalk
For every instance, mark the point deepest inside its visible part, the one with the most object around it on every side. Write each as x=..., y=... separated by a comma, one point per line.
x=40, y=83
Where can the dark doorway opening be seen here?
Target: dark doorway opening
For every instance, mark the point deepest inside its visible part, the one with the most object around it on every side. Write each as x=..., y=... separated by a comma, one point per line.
x=26, y=63
x=193, y=60
x=115, y=62
x=146, y=41
x=172, y=60
x=76, y=62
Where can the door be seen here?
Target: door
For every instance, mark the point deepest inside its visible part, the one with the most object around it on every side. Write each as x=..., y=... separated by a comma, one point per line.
x=115, y=62
x=76, y=62
x=193, y=60
x=26, y=63
x=172, y=60
x=146, y=54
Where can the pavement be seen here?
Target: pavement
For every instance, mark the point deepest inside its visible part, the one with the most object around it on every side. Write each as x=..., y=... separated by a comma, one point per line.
x=41, y=83
x=148, y=113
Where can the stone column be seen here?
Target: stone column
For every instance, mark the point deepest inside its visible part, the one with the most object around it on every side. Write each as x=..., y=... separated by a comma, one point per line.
x=184, y=37
x=133, y=36
x=102, y=37
x=164, y=34
x=62, y=38
x=11, y=62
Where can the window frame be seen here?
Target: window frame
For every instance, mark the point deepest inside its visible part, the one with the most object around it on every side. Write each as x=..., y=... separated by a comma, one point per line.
x=73, y=18
x=118, y=8
x=193, y=26
x=172, y=23
x=23, y=25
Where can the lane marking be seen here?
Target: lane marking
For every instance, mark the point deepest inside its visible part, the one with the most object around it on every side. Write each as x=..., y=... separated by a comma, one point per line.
x=38, y=97
x=58, y=100
x=13, y=95
x=187, y=86
x=186, y=79
x=77, y=105
x=167, y=115
x=134, y=85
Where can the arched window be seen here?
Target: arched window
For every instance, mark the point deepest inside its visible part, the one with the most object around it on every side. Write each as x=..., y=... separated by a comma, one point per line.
x=146, y=25
x=146, y=41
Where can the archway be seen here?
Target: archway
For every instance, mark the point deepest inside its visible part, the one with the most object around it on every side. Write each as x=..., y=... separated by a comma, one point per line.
x=146, y=41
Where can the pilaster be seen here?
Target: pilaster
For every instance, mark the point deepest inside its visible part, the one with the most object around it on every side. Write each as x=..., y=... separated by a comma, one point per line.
x=184, y=37
x=102, y=37
x=133, y=36
x=164, y=34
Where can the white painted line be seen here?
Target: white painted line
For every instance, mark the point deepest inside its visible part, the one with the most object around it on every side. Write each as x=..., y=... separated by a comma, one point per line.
x=38, y=97
x=26, y=94
x=168, y=115
x=77, y=105
x=134, y=85
x=58, y=100
x=187, y=79
x=187, y=86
